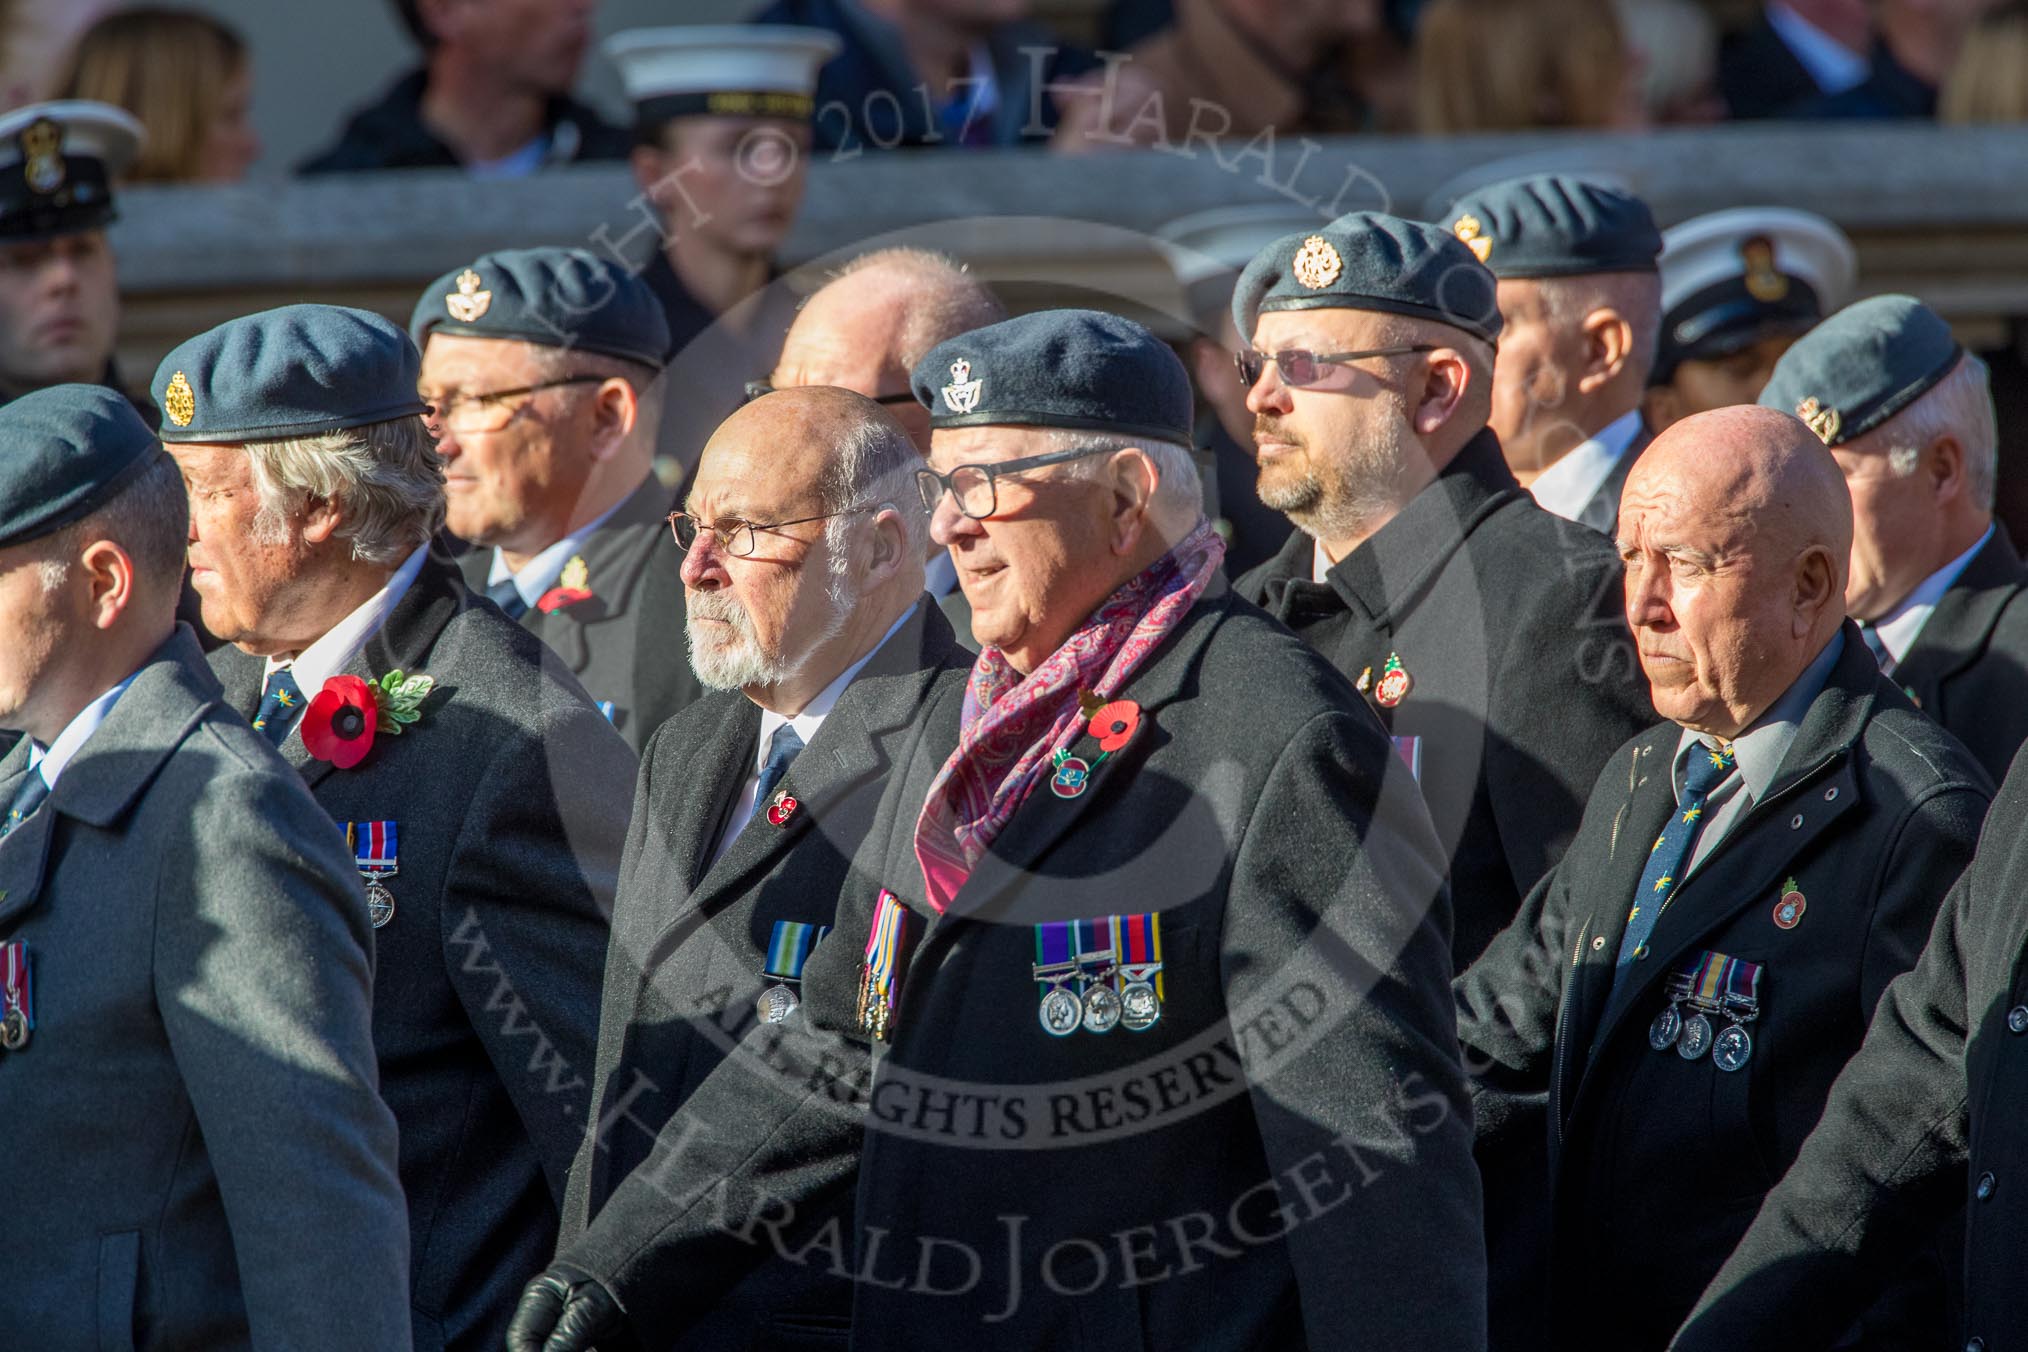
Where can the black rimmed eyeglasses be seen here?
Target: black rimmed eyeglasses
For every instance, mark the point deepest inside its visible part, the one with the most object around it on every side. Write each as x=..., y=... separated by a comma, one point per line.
x=1300, y=367
x=492, y=410
x=972, y=486
x=737, y=537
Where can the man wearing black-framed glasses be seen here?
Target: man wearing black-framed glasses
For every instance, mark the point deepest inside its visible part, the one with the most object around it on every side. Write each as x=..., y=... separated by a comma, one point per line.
x=543, y=370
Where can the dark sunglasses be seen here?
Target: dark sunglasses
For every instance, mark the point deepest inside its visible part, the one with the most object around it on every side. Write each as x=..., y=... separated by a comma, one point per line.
x=1300, y=368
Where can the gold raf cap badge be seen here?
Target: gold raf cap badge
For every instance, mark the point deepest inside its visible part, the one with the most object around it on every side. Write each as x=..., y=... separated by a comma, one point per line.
x=1472, y=231
x=42, y=153
x=1825, y=422
x=1763, y=282
x=468, y=305
x=1317, y=264
x=179, y=401
x=575, y=574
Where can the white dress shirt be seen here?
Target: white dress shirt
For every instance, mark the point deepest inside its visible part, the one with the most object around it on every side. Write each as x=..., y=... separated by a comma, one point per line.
x=331, y=654
x=806, y=724
x=49, y=762
x=1567, y=486
x=540, y=573
x=1899, y=627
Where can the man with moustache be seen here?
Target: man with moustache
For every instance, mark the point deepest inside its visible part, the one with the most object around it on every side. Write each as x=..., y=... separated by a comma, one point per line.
x=1940, y=595
x=1133, y=736
x=1485, y=631
x=59, y=292
x=829, y=665
x=196, y=1152
x=544, y=368
x=483, y=796
x=865, y=330
x=1580, y=301
x=1749, y=877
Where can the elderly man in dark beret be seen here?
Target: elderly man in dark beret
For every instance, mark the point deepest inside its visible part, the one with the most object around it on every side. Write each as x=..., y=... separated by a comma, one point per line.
x=196, y=1151
x=1580, y=303
x=544, y=370
x=1155, y=955
x=483, y=795
x=1940, y=594
x=1749, y=876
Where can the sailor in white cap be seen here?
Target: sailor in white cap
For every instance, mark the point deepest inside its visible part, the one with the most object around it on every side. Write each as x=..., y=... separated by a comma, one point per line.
x=1207, y=250
x=1738, y=288
x=722, y=118
x=59, y=296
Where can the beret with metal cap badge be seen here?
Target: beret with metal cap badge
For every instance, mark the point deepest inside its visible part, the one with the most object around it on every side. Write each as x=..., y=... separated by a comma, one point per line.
x=298, y=371
x=566, y=298
x=70, y=449
x=1371, y=261
x=1556, y=225
x=1079, y=369
x=1862, y=366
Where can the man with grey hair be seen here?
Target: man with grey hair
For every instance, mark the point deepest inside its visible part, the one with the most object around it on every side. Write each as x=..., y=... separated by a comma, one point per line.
x=1580, y=302
x=544, y=367
x=483, y=796
x=196, y=1152
x=1935, y=583
x=866, y=328
x=803, y=545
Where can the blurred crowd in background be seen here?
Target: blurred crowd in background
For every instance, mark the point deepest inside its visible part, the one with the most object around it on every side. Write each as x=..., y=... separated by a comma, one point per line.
x=491, y=84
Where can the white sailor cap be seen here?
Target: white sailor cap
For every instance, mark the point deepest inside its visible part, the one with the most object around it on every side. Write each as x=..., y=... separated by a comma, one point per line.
x=1734, y=277
x=58, y=162
x=1207, y=250
x=721, y=70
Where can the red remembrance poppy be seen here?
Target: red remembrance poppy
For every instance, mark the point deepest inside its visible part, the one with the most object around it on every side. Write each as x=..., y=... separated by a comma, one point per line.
x=556, y=598
x=1115, y=723
x=340, y=722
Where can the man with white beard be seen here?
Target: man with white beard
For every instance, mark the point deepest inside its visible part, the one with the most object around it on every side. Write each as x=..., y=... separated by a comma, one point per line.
x=803, y=538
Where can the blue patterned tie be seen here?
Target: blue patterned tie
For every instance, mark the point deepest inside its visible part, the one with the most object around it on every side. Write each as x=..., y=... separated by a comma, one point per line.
x=507, y=596
x=1671, y=854
x=281, y=705
x=782, y=750
x=27, y=798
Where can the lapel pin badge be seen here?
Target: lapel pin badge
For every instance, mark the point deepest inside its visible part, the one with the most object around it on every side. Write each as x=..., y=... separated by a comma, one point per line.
x=1788, y=912
x=782, y=808
x=1394, y=683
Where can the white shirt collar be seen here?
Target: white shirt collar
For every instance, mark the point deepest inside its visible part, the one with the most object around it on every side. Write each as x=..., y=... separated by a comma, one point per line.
x=331, y=654
x=1320, y=562
x=812, y=717
x=1834, y=67
x=540, y=573
x=1899, y=627
x=75, y=733
x=1567, y=486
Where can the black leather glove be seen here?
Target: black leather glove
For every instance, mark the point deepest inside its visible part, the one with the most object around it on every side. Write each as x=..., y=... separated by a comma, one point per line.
x=566, y=1309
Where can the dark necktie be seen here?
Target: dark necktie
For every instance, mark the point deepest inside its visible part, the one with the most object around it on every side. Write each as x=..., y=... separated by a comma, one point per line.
x=781, y=751
x=281, y=705
x=1876, y=646
x=27, y=798
x=1672, y=852
x=507, y=596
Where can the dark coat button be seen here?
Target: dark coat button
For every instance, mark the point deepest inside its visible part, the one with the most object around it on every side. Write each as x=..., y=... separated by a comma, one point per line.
x=2017, y=1019
x=1986, y=1185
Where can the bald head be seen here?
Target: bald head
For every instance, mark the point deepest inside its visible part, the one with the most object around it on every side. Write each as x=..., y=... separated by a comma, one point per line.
x=1735, y=528
x=867, y=327
x=834, y=555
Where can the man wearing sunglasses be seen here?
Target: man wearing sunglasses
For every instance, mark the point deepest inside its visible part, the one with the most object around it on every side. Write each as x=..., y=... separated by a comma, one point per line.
x=543, y=367
x=1485, y=632
x=865, y=329
x=802, y=551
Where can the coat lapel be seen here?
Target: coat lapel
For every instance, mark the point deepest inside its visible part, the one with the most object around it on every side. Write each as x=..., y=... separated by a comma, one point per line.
x=613, y=566
x=718, y=768
x=1816, y=785
x=1957, y=631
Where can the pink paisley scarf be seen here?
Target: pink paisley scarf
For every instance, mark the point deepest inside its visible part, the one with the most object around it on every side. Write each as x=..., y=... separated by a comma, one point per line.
x=1013, y=725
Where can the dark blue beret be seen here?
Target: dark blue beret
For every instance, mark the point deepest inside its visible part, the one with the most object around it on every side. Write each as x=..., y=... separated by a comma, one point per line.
x=69, y=450
x=566, y=298
x=1554, y=225
x=1862, y=366
x=1059, y=368
x=1370, y=261
x=298, y=371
